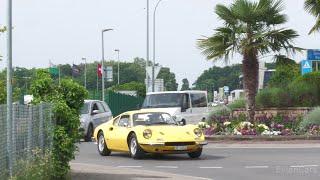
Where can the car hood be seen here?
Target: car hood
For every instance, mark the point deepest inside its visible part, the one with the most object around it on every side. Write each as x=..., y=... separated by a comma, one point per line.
x=172, y=133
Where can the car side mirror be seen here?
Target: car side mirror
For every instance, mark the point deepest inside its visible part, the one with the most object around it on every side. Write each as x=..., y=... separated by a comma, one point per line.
x=182, y=122
x=94, y=112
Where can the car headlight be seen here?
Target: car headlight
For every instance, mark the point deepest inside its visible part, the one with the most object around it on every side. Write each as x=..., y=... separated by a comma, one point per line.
x=147, y=133
x=197, y=132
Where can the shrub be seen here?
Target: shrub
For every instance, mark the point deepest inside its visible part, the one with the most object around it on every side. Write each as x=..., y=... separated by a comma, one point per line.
x=38, y=167
x=66, y=100
x=238, y=104
x=274, y=97
x=220, y=114
x=310, y=120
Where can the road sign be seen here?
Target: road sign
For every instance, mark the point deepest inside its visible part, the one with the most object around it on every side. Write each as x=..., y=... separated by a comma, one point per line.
x=156, y=71
x=226, y=89
x=313, y=54
x=109, y=73
x=306, y=67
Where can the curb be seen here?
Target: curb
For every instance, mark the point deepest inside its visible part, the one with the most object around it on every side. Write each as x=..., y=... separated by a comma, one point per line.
x=260, y=138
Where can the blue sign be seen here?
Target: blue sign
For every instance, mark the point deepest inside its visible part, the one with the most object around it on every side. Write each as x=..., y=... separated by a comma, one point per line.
x=306, y=67
x=313, y=54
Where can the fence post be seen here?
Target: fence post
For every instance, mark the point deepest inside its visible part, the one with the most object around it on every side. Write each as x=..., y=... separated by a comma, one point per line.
x=41, y=138
x=14, y=133
x=29, y=137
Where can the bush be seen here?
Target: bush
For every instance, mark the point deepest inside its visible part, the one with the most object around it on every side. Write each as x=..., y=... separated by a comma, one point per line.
x=312, y=118
x=38, y=167
x=238, y=104
x=274, y=97
x=66, y=99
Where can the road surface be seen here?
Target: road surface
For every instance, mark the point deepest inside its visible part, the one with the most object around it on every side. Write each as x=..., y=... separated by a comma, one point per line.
x=218, y=162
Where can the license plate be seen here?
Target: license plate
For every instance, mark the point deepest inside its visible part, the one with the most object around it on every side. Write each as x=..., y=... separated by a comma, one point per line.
x=180, y=148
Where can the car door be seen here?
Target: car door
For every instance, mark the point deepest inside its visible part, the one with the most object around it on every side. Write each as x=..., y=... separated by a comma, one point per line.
x=96, y=114
x=106, y=114
x=117, y=133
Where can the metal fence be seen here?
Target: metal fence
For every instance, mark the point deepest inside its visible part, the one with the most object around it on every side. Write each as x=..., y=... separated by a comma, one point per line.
x=32, y=129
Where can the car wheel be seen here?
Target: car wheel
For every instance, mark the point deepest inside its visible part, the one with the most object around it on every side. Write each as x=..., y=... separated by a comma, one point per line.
x=89, y=134
x=195, y=154
x=136, y=151
x=102, y=145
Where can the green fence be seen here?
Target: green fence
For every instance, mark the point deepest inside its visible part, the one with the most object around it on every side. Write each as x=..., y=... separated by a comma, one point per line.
x=119, y=103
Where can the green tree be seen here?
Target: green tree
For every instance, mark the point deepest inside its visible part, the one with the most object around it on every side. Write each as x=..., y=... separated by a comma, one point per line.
x=287, y=70
x=132, y=86
x=185, y=84
x=313, y=8
x=66, y=99
x=170, y=82
x=3, y=94
x=251, y=29
x=216, y=77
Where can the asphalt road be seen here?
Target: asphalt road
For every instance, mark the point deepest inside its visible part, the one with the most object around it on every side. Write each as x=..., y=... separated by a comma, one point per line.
x=218, y=161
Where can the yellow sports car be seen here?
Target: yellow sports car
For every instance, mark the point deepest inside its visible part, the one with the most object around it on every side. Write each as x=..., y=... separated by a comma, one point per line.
x=148, y=131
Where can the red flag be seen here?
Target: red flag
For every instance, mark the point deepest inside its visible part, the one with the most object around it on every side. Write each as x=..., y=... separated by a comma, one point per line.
x=99, y=71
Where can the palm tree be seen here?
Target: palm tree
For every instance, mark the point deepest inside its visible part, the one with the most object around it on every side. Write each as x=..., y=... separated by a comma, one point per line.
x=251, y=29
x=313, y=7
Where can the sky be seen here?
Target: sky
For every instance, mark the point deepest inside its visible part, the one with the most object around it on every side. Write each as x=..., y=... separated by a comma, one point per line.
x=64, y=31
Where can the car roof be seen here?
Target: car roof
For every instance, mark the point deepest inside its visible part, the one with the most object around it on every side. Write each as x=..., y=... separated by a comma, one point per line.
x=144, y=111
x=176, y=92
x=90, y=100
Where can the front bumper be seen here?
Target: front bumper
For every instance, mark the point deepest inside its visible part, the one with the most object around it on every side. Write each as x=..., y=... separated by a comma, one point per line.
x=162, y=148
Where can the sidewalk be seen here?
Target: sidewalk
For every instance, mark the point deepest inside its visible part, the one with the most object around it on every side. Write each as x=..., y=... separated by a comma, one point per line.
x=84, y=171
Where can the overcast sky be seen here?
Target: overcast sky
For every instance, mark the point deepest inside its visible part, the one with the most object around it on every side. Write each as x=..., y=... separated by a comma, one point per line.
x=67, y=30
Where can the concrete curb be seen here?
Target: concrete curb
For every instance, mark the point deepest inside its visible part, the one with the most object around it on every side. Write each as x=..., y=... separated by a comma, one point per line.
x=261, y=138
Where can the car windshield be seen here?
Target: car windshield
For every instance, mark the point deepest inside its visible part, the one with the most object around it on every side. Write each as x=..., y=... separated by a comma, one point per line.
x=85, y=108
x=154, y=118
x=163, y=100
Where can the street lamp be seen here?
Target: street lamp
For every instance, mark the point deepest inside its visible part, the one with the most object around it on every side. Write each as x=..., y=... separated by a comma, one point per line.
x=85, y=72
x=147, y=57
x=154, y=45
x=102, y=61
x=9, y=87
x=118, y=51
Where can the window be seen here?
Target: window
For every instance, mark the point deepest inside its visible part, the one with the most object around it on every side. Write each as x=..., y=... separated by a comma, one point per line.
x=153, y=118
x=315, y=66
x=199, y=100
x=101, y=107
x=105, y=106
x=85, y=108
x=116, y=121
x=124, y=121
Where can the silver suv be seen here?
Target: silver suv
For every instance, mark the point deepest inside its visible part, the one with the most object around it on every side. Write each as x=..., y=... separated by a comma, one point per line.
x=93, y=113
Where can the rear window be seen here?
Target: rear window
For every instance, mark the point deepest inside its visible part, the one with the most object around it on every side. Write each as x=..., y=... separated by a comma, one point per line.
x=199, y=100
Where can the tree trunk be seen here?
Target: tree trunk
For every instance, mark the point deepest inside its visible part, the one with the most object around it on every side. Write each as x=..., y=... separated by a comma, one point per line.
x=250, y=70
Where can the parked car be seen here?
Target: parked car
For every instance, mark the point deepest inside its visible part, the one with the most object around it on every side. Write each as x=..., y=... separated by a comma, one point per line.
x=189, y=107
x=93, y=113
x=148, y=131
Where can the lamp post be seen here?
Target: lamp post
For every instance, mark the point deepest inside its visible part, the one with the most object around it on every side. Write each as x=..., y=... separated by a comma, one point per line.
x=102, y=61
x=118, y=51
x=154, y=45
x=9, y=86
x=147, y=57
x=85, y=72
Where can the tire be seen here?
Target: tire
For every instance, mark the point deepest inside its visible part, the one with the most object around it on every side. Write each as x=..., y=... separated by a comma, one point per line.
x=136, y=151
x=195, y=154
x=102, y=145
x=87, y=137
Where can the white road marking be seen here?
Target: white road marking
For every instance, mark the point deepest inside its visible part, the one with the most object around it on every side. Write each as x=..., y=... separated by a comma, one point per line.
x=169, y=167
x=256, y=167
x=304, y=166
x=210, y=167
x=129, y=166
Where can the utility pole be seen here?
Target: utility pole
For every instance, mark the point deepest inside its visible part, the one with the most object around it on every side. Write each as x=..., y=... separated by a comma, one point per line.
x=9, y=87
x=147, y=58
x=154, y=46
x=102, y=63
x=85, y=72
x=118, y=51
